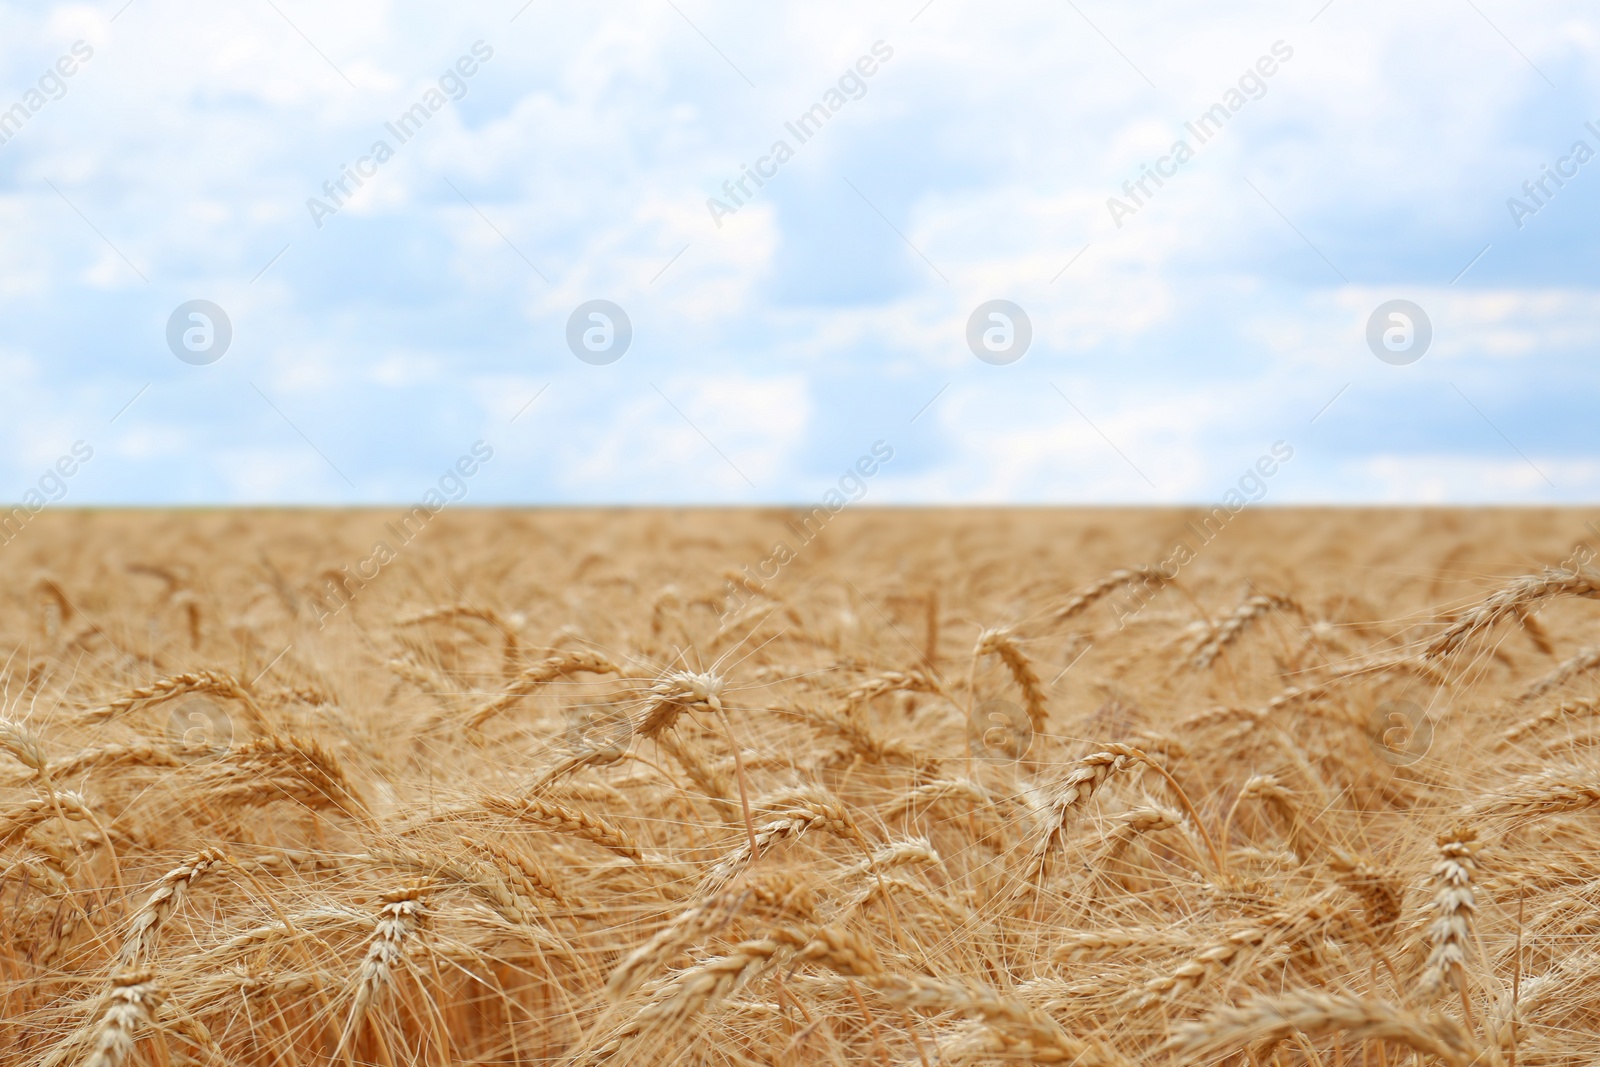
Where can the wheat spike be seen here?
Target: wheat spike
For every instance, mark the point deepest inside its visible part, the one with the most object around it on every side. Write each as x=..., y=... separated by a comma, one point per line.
x=675, y=693
x=1230, y=628
x=778, y=894
x=563, y=665
x=282, y=767
x=705, y=984
x=1081, y=601
x=167, y=897
x=135, y=996
x=907, y=681
x=1550, y=792
x=1453, y=908
x=1072, y=794
x=1509, y=601
x=1589, y=708
x=790, y=814
x=15, y=822
x=1276, y=929
x=218, y=683
x=1023, y=1032
x=558, y=818
x=23, y=745
x=1381, y=891
x=1583, y=661
x=402, y=910
x=918, y=851
x=533, y=881
x=1004, y=644
x=1313, y=1012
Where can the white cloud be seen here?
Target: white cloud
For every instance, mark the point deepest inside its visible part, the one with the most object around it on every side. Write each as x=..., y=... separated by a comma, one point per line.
x=1214, y=320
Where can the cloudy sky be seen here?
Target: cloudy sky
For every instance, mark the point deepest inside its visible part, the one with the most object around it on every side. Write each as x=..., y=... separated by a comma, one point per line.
x=379, y=331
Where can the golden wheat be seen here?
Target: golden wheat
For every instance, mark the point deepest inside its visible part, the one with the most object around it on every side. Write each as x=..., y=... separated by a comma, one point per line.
x=574, y=810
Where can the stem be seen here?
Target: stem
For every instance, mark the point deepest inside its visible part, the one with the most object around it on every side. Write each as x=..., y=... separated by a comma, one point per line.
x=1188, y=805
x=744, y=792
x=1466, y=1004
x=1516, y=983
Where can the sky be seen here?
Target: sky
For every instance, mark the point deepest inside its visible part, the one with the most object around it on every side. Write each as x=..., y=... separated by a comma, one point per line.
x=518, y=162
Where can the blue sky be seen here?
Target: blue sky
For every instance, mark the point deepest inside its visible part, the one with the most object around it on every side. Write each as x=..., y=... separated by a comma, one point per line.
x=830, y=310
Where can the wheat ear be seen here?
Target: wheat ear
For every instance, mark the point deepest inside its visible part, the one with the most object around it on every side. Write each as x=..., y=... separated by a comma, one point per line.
x=23, y=745
x=1589, y=708
x=1229, y=629
x=558, y=818
x=283, y=767
x=1021, y=1032
x=560, y=666
x=1580, y=662
x=1454, y=904
x=1382, y=893
x=908, y=681
x=510, y=646
x=528, y=877
x=1548, y=793
x=14, y=822
x=217, y=683
x=1310, y=1012
x=778, y=893
x=1086, y=597
x=1214, y=956
x=675, y=693
x=1004, y=644
x=402, y=910
x=702, y=986
x=135, y=996
x=1072, y=795
x=1511, y=600
x=143, y=932
x=793, y=813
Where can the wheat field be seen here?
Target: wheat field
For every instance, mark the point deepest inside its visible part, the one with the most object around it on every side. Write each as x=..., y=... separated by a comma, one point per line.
x=954, y=786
